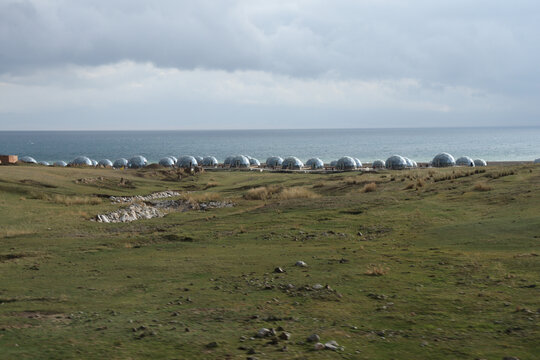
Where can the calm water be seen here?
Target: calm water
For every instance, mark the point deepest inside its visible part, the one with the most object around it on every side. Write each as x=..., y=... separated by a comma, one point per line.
x=366, y=144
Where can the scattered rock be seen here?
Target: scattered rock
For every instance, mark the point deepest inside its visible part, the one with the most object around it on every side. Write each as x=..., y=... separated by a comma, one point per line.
x=285, y=336
x=319, y=346
x=212, y=345
x=332, y=345
x=263, y=332
x=154, y=196
x=279, y=270
x=317, y=287
x=313, y=338
x=300, y=263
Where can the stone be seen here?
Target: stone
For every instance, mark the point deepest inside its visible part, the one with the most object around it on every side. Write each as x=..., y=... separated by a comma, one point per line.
x=212, y=345
x=313, y=338
x=317, y=287
x=332, y=345
x=301, y=263
x=285, y=336
x=279, y=270
x=263, y=332
x=318, y=346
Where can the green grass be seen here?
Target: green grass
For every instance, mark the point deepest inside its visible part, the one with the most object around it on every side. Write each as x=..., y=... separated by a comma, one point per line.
x=456, y=269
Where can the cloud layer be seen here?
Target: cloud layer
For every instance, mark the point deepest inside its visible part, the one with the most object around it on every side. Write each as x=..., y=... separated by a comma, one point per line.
x=431, y=56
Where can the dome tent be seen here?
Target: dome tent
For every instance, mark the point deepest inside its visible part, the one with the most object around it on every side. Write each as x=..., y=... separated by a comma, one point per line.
x=167, y=162
x=199, y=159
x=187, y=162
x=480, y=162
x=120, y=163
x=81, y=161
x=333, y=163
x=378, y=164
x=137, y=162
x=396, y=162
x=228, y=160
x=409, y=162
x=292, y=163
x=465, y=161
x=315, y=163
x=60, y=164
x=209, y=161
x=44, y=163
x=28, y=160
x=254, y=162
x=358, y=162
x=274, y=161
x=174, y=158
x=443, y=160
x=94, y=162
x=240, y=161
x=346, y=163
x=105, y=163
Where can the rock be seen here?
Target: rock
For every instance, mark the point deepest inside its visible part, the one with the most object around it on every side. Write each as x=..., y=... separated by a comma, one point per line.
x=318, y=346
x=251, y=351
x=317, y=287
x=285, y=336
x=263, y=332
x=212, y=345
x=300, y=263
x=313, y=338
x=279, y=270
x=332, y=345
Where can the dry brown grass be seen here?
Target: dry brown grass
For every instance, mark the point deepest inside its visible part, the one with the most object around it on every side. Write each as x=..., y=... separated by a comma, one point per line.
x=376, y=270
x=196, y=198
x=410, y=186
x=278, y=192
x=262, y=192
x=479, y=186
x=371, y=187
x=296, y=192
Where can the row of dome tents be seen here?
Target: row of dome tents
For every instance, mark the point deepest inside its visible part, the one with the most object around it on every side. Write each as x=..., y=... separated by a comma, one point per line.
x=395, y=162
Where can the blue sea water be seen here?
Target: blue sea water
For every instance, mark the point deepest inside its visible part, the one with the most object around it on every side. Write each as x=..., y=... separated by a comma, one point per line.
x=492, y=144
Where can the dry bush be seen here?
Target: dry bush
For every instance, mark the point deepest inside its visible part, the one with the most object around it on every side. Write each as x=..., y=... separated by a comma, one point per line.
x=481, y=187
x=211, y=184
x=420, y=183
x=297, y=192
x=376, y=270
x=371, y=187
x=262, y=192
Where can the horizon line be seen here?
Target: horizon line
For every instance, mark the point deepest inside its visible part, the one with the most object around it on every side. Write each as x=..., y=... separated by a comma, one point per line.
x=279, y=129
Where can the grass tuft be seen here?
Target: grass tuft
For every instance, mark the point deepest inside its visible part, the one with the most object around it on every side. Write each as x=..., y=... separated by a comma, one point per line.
x=371, y=187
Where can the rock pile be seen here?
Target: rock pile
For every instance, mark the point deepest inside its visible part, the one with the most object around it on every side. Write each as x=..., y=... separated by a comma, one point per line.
x=154, y=196
x=152, y=209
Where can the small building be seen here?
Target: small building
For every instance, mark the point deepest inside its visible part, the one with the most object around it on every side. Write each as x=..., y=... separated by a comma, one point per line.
x=8, y=159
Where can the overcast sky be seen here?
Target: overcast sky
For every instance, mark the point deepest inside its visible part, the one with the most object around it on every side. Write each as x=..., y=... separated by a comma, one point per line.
x=225, y=64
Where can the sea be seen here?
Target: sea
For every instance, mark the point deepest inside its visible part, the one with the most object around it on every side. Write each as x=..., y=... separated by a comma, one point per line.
x=419, y=144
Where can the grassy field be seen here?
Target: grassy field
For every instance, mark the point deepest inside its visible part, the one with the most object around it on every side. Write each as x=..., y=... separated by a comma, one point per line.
x=438, y=264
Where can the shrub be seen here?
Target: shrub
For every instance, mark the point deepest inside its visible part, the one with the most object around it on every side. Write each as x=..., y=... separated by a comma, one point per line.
x=296, y=193
x=371, y=187
x=376, y=270
x=481, y=187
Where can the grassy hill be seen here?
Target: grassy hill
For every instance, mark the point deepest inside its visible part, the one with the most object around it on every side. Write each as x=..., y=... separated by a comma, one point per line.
x=430, y=263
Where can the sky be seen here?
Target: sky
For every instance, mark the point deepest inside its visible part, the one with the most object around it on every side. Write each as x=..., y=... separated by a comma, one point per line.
x=259, y=64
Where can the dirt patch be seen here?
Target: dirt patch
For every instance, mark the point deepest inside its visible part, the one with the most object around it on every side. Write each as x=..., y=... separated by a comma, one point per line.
x=51, y=316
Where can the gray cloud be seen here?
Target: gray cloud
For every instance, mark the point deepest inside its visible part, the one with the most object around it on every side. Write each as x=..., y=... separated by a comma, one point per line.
x=487, y=45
